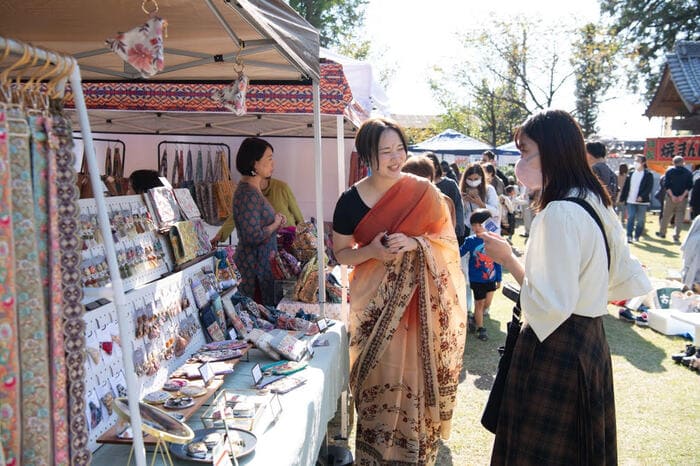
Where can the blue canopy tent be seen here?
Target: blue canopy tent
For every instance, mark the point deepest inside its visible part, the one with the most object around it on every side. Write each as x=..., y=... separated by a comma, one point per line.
x=507, y=149
x=451, y=142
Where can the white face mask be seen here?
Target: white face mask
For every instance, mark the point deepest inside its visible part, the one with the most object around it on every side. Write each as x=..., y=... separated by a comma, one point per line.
x=473, y=183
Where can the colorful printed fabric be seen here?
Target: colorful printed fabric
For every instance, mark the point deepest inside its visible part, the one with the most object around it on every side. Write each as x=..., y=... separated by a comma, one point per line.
x=59, y=388
x=10, y=394
x=38, y=446
x=141, y=47
x=196, y=97
x=405, y=399
x=74, y=325
x=252, y=213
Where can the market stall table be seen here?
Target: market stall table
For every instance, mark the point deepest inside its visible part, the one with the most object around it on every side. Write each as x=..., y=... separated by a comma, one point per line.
x=298, y=434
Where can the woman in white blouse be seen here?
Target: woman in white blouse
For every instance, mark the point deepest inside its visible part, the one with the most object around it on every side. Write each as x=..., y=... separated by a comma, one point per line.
x=477, y=194
x=558, y=405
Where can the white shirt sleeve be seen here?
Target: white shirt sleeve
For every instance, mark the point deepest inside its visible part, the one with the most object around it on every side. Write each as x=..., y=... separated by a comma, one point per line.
x=550, y=288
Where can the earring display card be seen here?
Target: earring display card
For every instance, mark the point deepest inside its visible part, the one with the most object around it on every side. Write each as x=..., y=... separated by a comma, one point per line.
x=165, y=315
x=142, y=254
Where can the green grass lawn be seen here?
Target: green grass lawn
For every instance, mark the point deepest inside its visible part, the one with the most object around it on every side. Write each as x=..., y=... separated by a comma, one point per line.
x=657, y=401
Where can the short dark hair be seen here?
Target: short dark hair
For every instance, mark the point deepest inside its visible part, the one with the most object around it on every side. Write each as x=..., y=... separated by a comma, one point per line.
x=563, y=157
x=489, y=155
x=479, y=216
x=419, y=165
x=436, y=164
x=489, y=168
x=596, y=149
x=251, y=150
x=367, y=139
x=143, y=180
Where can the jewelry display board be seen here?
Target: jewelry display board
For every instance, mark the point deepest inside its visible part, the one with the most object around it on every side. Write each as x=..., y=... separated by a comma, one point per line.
x=159, y=314
x=142, y=253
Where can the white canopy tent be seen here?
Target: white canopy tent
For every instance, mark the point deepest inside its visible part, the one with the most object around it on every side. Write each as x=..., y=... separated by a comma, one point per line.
x=204, y=39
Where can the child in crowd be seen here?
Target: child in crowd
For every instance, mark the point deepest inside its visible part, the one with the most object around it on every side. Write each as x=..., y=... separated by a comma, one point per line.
x=484, y=273
x=508, y=205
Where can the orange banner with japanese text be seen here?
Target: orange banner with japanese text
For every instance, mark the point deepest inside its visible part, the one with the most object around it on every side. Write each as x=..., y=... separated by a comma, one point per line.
x=660, y=151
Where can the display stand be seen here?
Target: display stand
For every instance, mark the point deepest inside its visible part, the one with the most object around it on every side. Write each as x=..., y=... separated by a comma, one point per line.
x=161, y=426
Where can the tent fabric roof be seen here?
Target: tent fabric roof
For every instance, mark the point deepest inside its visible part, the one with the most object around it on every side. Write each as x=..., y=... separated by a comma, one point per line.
x=507, y=149
x=451, y=142
x=678, y=93
x=203, y=37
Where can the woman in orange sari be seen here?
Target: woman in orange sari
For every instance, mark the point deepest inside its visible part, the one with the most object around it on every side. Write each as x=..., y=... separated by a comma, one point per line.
x=407, y=313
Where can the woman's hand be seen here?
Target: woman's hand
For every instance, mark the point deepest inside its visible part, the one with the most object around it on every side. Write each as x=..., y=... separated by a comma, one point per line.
x=496, y=247
x=399, y=242
x=215, y=240
x=280, y=220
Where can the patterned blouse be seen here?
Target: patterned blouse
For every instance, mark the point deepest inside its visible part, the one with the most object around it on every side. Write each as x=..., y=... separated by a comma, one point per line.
x=252, y=213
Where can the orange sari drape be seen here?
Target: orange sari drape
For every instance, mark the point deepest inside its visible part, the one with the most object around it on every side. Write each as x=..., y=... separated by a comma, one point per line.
x=407, y=327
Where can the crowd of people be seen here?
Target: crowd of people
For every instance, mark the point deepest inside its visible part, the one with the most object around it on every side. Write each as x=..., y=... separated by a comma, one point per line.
x=428, y=242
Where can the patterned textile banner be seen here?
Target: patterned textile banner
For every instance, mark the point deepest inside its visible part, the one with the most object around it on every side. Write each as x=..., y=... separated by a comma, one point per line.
x=197, y=97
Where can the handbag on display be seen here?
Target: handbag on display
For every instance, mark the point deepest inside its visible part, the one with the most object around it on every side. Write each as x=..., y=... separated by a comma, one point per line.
x=188, y=180
x=304, y=244
x=121, y=184
x=223, y=187
x=165, y=206
x=233, y=96
x=186, y=202
x=84, y=184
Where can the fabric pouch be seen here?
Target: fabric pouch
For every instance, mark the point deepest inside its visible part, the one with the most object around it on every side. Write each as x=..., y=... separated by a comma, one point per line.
x=210, y=324
x=233, y=96
x=184, y=241
x=289, y=347
x=262, y=340
x=142, y=46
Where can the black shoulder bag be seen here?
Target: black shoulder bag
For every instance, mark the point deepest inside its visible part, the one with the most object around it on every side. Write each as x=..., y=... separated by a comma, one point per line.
x=489, y=418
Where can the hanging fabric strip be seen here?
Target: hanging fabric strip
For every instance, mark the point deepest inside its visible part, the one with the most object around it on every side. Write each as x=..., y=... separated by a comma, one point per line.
x=59, y=386
x=10, y=404
x=176, y=170
x=30, y=306
x=108, y=162
x=74, y=325
x=180, y=169
x=163, y=165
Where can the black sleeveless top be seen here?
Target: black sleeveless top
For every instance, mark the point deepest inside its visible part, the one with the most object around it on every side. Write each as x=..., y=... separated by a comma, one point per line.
x=349, y=211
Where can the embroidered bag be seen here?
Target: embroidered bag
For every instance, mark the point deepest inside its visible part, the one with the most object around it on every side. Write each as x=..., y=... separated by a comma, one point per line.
x=223, y=188
x=233, y=96
x=141, y=47
x=304, y=245
x=183, y=239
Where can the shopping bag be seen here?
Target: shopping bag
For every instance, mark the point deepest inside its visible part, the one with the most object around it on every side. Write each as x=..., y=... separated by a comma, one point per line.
x=84, y=184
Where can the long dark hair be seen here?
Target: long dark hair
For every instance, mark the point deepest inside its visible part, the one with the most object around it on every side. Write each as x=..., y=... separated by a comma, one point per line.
x=562, y=156
x=472, y=169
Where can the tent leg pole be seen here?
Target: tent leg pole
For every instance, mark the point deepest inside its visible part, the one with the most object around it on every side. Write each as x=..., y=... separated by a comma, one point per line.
x=318, y=155
x=125, y=332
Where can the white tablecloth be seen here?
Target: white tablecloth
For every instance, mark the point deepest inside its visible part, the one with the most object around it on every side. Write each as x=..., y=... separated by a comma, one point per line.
x=297, y=436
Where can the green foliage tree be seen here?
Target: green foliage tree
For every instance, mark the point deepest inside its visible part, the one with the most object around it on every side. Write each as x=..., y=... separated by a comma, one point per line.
x=648, y=29
x=593, y=60
x=515, y=68
x=336, y=20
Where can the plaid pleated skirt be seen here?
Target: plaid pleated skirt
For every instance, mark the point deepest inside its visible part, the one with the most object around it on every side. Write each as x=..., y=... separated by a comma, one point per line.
x=558, y=407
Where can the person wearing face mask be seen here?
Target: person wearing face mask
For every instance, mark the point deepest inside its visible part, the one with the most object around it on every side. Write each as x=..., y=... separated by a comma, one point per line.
x=477, y=194
x=408, y=313
x=558, y=405
x=635, y=194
